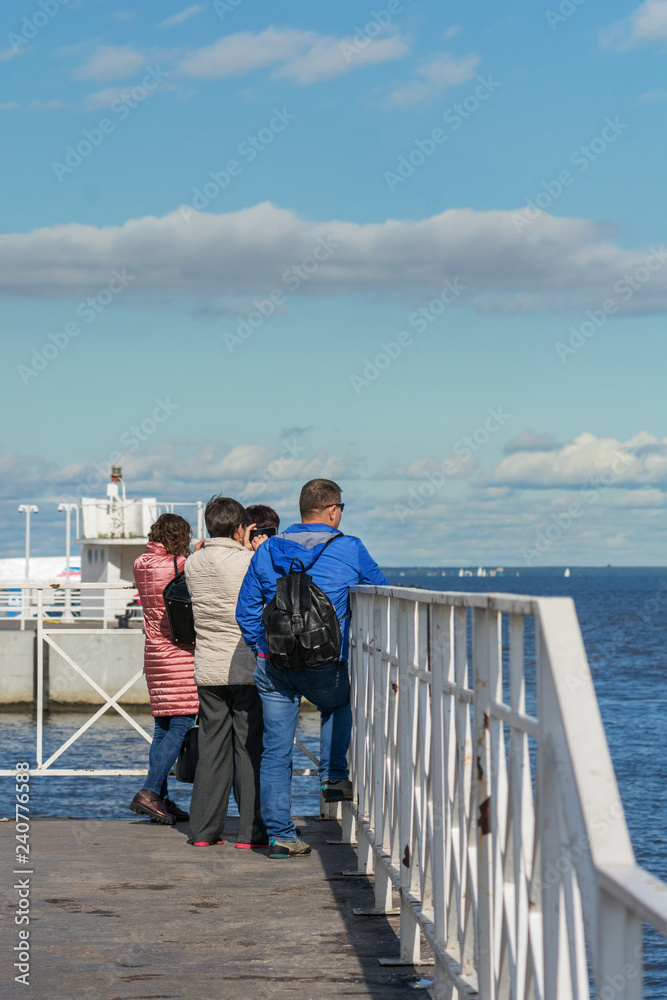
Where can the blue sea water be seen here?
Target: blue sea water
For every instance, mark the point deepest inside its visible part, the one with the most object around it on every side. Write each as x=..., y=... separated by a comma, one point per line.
x=623, y=618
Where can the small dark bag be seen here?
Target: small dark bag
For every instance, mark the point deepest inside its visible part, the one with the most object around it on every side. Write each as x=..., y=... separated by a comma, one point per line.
x=188, y=755
x=300, y=623
x=179, y=609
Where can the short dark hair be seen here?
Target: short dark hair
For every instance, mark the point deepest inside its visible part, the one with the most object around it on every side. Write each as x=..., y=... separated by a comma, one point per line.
x=223, y=516
x=262, y=516
x=172, y=531
x=318, y=494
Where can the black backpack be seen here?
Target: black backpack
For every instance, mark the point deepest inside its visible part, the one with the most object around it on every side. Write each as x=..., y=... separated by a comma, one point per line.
x=300, y=622
x=178, y=605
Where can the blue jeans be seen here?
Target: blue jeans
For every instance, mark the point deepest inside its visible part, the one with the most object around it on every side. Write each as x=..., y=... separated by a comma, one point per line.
x=167, y=739
x=281, y=691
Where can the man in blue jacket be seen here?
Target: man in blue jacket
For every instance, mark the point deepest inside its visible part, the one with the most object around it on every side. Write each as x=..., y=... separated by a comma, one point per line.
x=345, y=563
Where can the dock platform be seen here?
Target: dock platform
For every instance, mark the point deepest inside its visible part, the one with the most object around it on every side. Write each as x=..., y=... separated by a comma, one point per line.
x=128, y=910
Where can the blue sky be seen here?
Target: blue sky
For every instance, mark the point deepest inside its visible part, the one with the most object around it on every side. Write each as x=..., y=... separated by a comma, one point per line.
x=449, y=215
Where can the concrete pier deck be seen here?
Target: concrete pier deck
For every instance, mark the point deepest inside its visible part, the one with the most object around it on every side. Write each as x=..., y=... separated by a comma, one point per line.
x=127, y=910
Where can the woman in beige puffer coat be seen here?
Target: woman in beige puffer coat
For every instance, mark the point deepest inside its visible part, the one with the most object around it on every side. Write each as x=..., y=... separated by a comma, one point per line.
x=230, y=709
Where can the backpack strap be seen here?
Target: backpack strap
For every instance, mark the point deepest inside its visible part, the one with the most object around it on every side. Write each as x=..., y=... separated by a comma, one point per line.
x=325, y=546
x=176, y=565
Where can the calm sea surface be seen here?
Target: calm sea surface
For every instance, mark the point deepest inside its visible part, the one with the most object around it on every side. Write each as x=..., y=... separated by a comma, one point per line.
x=623, y=617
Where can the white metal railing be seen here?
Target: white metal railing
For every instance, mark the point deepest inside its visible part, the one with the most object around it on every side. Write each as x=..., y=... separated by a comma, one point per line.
x=68, y=602
x=48, y=628
x=501, y=829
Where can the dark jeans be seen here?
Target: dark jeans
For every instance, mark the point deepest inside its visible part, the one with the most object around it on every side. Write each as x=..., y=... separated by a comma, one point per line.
x=281, y=690
x=230, y=751
x=167, y=739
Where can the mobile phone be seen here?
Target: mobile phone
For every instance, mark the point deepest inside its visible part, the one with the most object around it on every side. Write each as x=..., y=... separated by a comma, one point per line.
x=263, y=531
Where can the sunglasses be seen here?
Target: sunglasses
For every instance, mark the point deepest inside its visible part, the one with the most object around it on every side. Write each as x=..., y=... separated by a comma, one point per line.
x=341, y=505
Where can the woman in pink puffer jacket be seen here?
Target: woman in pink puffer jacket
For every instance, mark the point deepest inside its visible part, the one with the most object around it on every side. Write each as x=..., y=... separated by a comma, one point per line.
x=168, y=668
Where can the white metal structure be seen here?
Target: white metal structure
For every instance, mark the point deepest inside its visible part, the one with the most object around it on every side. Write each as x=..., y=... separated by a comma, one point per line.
x=47, y=632
x=500, y=828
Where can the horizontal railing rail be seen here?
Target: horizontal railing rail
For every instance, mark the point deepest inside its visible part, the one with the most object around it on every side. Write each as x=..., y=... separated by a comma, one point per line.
x=484, y=795
x=69, y=602
x=48, y=630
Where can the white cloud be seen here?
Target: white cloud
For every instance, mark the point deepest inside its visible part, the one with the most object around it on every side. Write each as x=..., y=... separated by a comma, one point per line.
x=331, y=56
x=305, y=56
x=646, y=24
x=645, y=498
x=38, y=105
x=174, y=469
x=530, y=441
x=559, y=263
x=245, y=51
x=434, y=78
x=111, y=62
x=640, y=461
x=654, y=95
x=183, y=15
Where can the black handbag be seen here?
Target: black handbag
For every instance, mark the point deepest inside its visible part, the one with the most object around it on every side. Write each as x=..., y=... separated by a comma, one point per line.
x=178, y=605
x=188, y=756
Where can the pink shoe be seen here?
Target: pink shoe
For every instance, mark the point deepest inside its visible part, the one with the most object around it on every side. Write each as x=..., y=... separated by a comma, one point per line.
x=248, y=847
x=206, y=843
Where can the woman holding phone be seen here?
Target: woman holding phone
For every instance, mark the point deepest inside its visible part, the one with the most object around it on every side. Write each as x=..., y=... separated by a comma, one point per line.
x=230, y=709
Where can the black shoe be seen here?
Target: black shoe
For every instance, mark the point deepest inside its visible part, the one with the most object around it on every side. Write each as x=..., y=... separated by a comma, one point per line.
x=179, y=814
x=150, y=804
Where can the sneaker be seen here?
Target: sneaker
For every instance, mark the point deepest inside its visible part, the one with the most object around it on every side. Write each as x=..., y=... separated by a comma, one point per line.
x=336, y=791
x=205, y=843
x=287, y=848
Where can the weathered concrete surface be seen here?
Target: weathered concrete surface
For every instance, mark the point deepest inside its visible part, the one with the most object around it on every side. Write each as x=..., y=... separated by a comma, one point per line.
x=130, y=910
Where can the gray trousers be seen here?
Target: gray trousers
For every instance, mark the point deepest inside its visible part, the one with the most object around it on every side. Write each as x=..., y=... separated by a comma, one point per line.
x=230, y=751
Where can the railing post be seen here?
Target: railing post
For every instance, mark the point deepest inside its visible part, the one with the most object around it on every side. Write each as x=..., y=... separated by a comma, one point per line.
x=619, y=950
x=482, y=635
x=362, y=722
x=439, y=662
x=410, y=941
x=40, y=676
